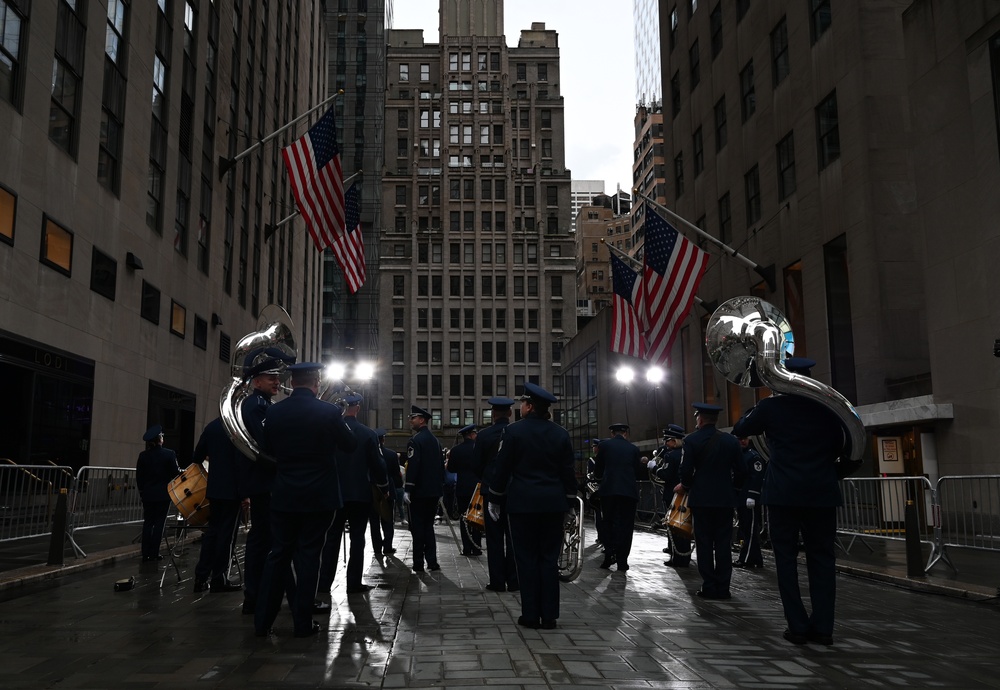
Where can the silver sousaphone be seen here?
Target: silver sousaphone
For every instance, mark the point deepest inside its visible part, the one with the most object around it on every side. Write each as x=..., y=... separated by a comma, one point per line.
x=747, y=341
x=274, y=329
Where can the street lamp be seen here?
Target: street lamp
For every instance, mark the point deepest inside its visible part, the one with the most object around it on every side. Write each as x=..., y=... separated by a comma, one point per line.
x=624, y=375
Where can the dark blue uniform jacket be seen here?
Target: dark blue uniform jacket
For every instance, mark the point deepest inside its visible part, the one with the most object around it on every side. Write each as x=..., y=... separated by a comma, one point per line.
x=712, y=475
x=534, y=471
x=804, y=439
x=487, y=445
x=424, y=466
x=619, y=466
x=302, y=433
x=462, y=461
x=153, y=471
x=391, y=459
x=223, y=462
x=360, y=468
x=255, y=477
x=756, y=467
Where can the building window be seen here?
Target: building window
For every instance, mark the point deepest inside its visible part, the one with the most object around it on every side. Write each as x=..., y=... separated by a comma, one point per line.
x=840, y=318
x=557, y=286
x=149, y=308
x=695, y=62
x=57, y=246
x=698, y=151
x=725, y=219
x=8, y=211
x=780, y=65
x=13, y=27
x=67, y=74
x=994, y=66
x=751, y=182
x=748, y=98
x=820, y=18
x=785, y=154
x=200, y=335
x=673, y=28
x=113, y=98
x=404, y=73
x=543, y=71
x=522, y=71
x=794, y=306
x=398, y=286
x=425, y=72
x=679, y=175
x=742, y=7
x=828, y=131
x=720, y=124
x=103, y=274
x=675, y=94
x=715, y=28
x=178, y=319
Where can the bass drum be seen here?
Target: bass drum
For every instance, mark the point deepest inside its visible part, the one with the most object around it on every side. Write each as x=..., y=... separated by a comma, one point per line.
x=187, y=491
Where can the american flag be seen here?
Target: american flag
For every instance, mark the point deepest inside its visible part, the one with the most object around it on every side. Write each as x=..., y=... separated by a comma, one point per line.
x=313, y=162
x=626, y=330
x=673, y=270
x=348, y=249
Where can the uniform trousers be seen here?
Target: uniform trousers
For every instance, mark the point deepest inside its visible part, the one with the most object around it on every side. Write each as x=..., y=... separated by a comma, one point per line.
x=619, y=514
x=298, y=538
x=751, y=522
x=537, y=540
x=422, y=512
x=819, y=531
x=217, y=541
x=713, y=537
x=154, y=516
x=354, y=515
x=382, y=528
x=258, y=545
x=500, y=553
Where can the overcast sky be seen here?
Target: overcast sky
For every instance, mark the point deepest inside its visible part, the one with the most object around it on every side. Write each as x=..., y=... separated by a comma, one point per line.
x=597, y=81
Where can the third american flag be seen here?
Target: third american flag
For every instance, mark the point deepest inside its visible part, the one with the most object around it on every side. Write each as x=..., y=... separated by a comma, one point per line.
x=348, y=249
x=673, y=269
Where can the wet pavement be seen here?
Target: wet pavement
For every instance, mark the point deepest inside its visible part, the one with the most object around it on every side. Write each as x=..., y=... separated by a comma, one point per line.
x=442, y=629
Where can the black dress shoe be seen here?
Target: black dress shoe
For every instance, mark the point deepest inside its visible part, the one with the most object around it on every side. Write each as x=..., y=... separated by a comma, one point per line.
x=666, y=550
x=608, y=562
x=248, y=607
x=794, y=637
x=706, y=595
x=818, y=638
x=724, y=595
x=622, y=567
x=152, y=558
x=321, y=607
x=418, y=568
x=496, y=588
x=525, y=623
x=674, y=563
x=434, y=566
x=514, y=587
x=220, y=586
x=358, y=589
x=548, y=625
x=477, y=552
x=263, y=633
x=200, y=586
x=389, y=551
x=313, y=630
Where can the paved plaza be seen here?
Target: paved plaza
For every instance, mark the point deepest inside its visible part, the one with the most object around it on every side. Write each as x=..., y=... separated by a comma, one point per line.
x=442, y=629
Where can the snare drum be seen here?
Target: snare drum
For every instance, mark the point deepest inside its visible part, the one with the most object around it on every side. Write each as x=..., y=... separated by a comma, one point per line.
x=680, y=517
x=187, y=491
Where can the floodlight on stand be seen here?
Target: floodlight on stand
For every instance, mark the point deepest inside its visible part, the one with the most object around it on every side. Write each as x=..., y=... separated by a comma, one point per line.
x=625, y=375
x=364, y=371
x=655, y=375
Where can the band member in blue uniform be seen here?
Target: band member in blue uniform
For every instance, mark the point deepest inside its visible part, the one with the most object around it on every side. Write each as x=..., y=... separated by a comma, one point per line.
x=264, y=368
x=461, y=461
x=535, y=478
x=423, y=488
x=302, y=434
x=712, y=470
x=358, y=470
x=154, y=469
x=600, y=524
x=802, y=494
x=382, y=528
x=224, y=495
x=668, y=471
x=499, y=551
x=750, y=509
x=618, y=467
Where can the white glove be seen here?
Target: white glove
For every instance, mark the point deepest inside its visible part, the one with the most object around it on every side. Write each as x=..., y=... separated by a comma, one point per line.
x=406, y=497
x=494, y=510
x=751, y=503
x=651, y=464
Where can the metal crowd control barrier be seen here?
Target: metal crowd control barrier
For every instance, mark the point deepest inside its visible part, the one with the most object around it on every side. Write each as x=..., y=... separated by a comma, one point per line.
x=28, y=496
x=102, y=497
x=875, y=507
x=966, y=515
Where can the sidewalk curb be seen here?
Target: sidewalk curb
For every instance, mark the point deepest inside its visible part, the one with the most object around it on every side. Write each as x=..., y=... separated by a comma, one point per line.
x=968, y=592
x=33, y=574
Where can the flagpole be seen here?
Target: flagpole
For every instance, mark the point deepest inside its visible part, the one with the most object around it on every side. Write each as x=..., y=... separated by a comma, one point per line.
x=227, y=164
x=271, y=229
x=708, y=306
x=765, y=272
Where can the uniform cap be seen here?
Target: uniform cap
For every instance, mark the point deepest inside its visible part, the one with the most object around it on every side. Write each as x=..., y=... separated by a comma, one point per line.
x=353, y=399
x=619, y=426
x=536, y=393
x=152, y=433
x=419, y=412
x=266, y=360
x=501, y=401
x=305, y=366
x=707, y=408
x=380, y=432
x=467, y=429
x=674, y=431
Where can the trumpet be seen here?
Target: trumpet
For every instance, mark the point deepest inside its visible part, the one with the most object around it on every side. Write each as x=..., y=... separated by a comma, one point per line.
x=658, y=457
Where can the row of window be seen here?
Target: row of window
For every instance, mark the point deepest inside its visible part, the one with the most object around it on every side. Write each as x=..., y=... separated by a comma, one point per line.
x=466, y=352
x=466, y=318
x=490, y=189
x=520, y=117
x=463, y=385
x=828, y=150
x=491, y=221
x=465, y=286
x=485, y=62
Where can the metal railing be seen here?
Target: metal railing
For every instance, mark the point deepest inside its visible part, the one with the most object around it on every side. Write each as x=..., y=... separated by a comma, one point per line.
x=966, y=515
x=28, y=495
x=102, y=497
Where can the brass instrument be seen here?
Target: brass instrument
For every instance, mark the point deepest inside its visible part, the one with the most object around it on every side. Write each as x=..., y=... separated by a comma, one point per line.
x=658, y=456
x=571, y=554
x=747, y=340
x=274, y=329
